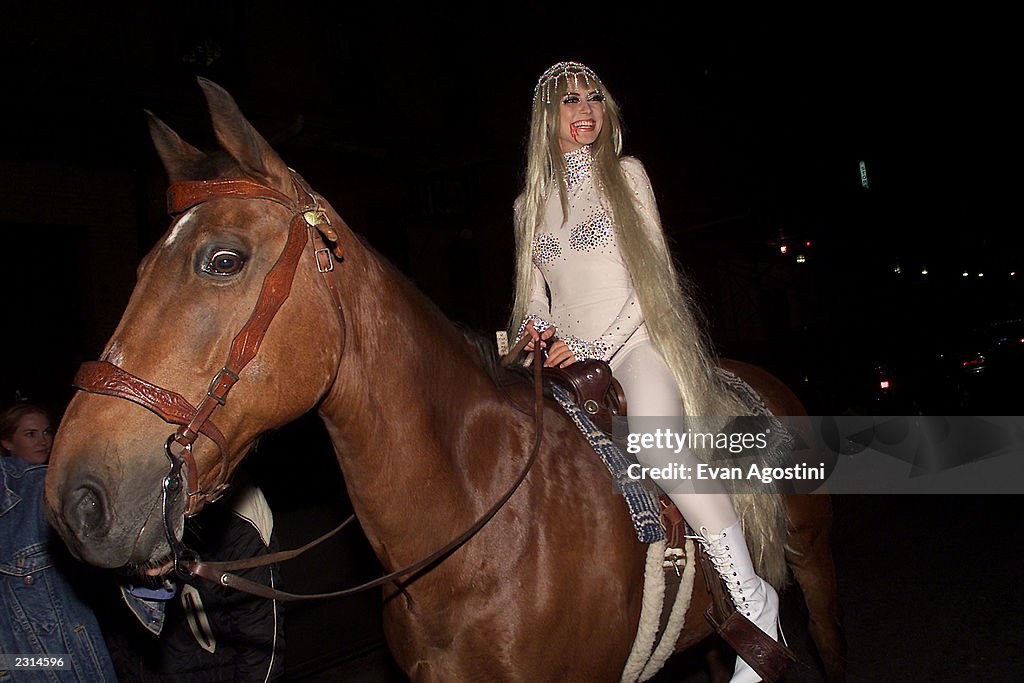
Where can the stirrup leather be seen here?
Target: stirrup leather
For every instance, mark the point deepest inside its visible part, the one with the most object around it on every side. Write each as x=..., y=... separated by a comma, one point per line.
x=767, y=657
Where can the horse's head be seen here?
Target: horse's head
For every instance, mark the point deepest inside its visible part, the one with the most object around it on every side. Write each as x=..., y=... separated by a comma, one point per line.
x=233, y=284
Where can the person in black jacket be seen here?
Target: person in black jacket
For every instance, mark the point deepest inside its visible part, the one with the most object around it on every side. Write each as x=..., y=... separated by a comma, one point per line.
x=197, y=630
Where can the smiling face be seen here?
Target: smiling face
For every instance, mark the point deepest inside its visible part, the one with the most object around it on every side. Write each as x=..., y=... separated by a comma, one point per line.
x=581, y=116
x=31, y=439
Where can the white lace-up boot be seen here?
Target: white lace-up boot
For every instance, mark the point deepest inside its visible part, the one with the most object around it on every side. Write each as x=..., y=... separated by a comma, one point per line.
x=753, y=597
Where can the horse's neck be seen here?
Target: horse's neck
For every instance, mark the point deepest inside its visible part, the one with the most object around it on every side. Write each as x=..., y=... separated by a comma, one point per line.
x=405, y=381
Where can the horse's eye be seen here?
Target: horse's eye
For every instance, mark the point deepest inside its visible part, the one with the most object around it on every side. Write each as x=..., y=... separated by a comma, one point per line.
x=224, y=262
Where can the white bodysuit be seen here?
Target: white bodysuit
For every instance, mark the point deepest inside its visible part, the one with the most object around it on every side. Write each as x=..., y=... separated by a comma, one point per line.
x=594, y=306
x=595, y=311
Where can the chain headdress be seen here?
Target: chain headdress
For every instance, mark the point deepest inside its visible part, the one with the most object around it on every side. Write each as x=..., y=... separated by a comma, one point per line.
x=549, y=79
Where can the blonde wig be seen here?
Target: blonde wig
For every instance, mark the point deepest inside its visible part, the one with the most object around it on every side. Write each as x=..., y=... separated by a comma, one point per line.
x=669, y=313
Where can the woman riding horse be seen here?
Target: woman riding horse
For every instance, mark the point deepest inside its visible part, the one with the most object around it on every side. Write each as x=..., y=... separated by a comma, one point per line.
x=587, y=226
x=242, y=292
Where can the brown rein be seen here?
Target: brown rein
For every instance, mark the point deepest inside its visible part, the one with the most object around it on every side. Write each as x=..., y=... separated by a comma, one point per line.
x=219, y=572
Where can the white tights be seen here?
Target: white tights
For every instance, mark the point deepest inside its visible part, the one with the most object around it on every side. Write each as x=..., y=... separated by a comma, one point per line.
x=651, y=391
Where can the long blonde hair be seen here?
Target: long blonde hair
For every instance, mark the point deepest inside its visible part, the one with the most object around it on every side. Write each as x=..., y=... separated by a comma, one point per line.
x=667, y=307
x=669, y=312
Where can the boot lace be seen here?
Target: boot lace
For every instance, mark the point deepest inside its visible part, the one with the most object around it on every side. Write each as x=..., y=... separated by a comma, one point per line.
x=717, y=548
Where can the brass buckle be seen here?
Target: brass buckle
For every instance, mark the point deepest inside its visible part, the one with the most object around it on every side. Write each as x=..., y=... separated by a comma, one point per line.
x=316, y=216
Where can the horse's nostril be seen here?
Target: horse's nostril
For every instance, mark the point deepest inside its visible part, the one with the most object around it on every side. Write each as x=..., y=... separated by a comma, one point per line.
x=86, y=513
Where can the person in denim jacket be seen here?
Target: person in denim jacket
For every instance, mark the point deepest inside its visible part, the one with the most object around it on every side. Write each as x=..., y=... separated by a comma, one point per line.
x=41, y=612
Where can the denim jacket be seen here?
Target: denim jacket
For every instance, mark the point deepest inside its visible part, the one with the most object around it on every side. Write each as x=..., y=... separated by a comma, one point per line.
x=41, y=613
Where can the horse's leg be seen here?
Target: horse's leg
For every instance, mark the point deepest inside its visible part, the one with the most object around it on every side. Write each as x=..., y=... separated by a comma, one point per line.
x=809, y=554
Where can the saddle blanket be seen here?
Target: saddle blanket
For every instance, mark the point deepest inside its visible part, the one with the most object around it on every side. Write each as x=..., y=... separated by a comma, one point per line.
x=644, y=509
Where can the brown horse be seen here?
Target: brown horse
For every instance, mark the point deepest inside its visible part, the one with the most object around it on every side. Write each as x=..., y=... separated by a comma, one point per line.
x=426, y=440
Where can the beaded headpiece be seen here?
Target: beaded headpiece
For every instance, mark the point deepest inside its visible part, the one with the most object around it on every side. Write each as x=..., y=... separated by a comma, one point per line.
x=566, y=70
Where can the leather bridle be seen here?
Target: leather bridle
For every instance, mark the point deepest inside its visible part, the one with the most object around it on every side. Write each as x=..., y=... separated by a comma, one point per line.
x=310, y=223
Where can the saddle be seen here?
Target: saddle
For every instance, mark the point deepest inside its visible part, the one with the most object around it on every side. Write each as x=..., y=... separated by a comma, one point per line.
x=591, y=386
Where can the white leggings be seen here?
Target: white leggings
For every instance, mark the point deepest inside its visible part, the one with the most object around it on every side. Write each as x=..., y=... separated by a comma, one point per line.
x=651, y=391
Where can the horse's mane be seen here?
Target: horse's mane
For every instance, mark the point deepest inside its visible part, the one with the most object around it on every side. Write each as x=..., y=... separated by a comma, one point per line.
x=489, y=359
x=504, y=378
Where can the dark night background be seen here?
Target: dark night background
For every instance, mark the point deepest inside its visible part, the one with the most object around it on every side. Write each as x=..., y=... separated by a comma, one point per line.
x=412, y=122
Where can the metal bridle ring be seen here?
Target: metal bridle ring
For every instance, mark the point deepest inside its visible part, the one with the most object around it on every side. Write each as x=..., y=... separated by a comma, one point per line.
x=172, y=485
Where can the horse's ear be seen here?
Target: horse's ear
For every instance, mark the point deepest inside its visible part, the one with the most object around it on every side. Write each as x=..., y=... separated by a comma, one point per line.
x=179, y=158
x=240, y=140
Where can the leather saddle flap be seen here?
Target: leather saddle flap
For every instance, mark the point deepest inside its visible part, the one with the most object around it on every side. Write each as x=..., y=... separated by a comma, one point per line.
x=592, y=387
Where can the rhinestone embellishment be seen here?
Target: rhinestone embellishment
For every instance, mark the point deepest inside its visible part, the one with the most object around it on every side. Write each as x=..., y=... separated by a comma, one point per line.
x=593, y=233
x=545, y=249
x=577, y=167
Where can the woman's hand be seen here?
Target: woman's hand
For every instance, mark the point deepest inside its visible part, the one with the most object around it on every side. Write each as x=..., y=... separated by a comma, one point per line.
x=537, y=336
x=559, y=355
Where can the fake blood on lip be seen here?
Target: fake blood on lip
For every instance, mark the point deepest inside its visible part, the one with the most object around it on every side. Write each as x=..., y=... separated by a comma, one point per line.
x=574, y=131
